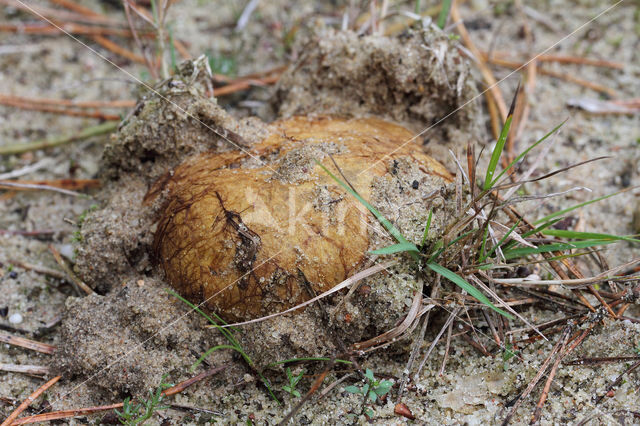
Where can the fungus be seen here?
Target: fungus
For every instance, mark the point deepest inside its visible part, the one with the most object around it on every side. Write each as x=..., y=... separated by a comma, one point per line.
x=250, y=233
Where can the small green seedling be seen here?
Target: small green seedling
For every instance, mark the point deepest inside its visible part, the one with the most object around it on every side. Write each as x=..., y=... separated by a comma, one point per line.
x=293, y=382
x=371, y=390
x=136, y=413
x=507, y=354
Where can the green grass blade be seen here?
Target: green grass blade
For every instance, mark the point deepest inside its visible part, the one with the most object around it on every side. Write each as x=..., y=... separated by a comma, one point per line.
x=395, y=248
x=587, y=235
x=463, y=284
x=484, y=241
x=526, y=151
x=287, y=361
x=444, y=13
x=502, y=240
x=541, y=227
x=226, y=332
x=172, y=51
x=525, y=251
x=577, y=206
x=210, y=351
x=388, y=225
x=439, y=247
x=497, y=152
x=426, y=228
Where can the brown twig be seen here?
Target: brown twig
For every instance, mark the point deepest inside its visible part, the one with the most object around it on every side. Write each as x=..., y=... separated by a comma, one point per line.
x=602, y=360
x=564, y=59
x=314, y=388
x=16, y=103
x=561, y=343
x=491, y=81
x=72, y=277
x=118, y=49
x=60, y=14
x=68, y=184
x=244, y=84
x=40, y=233
x=9, y=420
x=180, y=387
x=138, y=41
x=26, y=343
x=32, y=370
x=617, y=381
x=561, y=75
x=126, y=103
x=97, y=34
x=72, y=28
x=63, y=414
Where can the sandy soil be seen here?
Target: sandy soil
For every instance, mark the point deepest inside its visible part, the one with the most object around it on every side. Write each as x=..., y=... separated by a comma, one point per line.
x=474, y=389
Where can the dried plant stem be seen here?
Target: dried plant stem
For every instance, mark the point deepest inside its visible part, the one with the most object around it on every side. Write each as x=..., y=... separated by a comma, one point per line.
x=72, y=277
x=562, y=59
x=452, y=316
x=618, y=380
x=17, y=103
x=20, y=148
x=126, y=103
x=23, y=406
x=64, y=414
x=77, y=29
x=561, y=343
x=491, y=81
x=26, y=343
x=39, y=269
x=33, y=370
x=245, y=84
x=118, y=49
x=563, y=76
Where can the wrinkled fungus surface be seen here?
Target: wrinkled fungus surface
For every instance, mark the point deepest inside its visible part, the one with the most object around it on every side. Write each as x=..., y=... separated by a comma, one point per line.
x=253, y=240
x=255, y=230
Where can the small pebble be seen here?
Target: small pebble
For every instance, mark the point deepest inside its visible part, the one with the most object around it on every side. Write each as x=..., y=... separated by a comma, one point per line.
x=66, y=250
x=15, y=318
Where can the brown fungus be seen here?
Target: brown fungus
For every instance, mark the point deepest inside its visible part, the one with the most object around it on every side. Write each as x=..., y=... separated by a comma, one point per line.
x=250, y=238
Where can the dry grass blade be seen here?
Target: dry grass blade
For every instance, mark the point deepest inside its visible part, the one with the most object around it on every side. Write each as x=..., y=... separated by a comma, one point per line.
x=491, y=81
x=564, y=59
x=604, y=276
x=346, y=283
x=601, y=360
x=127, y=103
x=27, y=169
x=17, y=103
x=40, y=269
x=506, y=305
x=557, y=347
x=452, y=316
x=65, y=414
x=33, y=370
x=563, y=76
x=26, y=343
x=80, y=285
x=65, y=186
x=23, y=406
x=597, y=106
x=397, y=331
x=618, y=380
